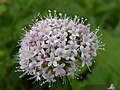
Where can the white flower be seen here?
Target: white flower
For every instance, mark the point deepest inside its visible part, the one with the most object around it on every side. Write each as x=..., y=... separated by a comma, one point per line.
x=86, y=59
x=84, y=49
x=38, y=76
x=72, y=37
x=70, y=55
x=47, y=32
x=71, y=70
x=32, y=64
x=52, y=60
x=40, y=60
x=59, y=70
x=23, y=64
x=74, y=31
x=51, y=42
x=61, y=44
x=60, y=52
x=112, y=87
x=49, y=78
x=86, y=39
x=63, y=37
x=26, y=54
x=52, y=39
x=72, y=46
x=89, y=47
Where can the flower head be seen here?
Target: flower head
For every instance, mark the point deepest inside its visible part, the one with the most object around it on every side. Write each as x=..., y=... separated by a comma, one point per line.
x=49, y=49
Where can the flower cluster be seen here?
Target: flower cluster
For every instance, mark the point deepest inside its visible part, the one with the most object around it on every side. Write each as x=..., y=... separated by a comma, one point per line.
x=50, y=48
x=88, y=46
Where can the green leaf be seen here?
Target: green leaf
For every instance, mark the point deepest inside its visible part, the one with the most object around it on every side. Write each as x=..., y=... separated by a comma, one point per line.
x=2, y=8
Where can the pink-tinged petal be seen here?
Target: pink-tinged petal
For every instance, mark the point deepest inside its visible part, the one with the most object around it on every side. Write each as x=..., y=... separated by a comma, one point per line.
x=62, y=72
x=45, y=69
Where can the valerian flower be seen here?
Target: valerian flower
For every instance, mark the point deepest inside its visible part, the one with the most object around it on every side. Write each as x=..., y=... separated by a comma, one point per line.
x=52, y=60
x=59, y=71
x=54, y=45
x=112, y=87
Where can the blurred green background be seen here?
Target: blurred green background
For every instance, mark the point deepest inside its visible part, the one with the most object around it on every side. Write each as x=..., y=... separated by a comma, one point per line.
x=16, y=14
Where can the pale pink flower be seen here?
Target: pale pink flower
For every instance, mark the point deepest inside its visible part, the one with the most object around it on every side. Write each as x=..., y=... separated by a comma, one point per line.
x=54, y=45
